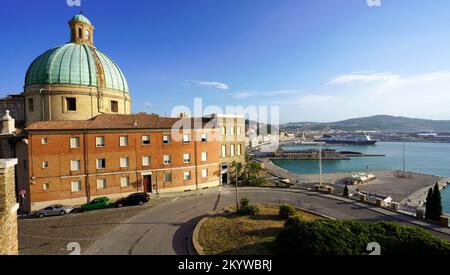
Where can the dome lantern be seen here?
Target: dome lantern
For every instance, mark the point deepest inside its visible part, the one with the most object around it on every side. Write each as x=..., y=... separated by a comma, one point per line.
x=81, y=30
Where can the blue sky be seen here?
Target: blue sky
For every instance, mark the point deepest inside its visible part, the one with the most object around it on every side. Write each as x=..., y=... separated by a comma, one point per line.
x=318, y=60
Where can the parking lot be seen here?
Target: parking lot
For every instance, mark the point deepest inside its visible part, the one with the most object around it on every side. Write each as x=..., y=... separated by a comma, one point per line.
x=51, y=235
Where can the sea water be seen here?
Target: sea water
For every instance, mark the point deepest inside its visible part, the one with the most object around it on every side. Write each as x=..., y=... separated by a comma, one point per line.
x=427, y=158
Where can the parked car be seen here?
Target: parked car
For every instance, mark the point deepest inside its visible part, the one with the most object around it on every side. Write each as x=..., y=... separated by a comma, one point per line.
x=98, y=203
x=54, y=210
x=133, y=199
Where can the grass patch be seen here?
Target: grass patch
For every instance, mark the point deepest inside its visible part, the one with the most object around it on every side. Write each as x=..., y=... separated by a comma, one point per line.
x=230, y=234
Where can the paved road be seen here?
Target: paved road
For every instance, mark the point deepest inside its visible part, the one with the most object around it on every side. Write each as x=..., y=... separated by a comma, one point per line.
x=166, y=229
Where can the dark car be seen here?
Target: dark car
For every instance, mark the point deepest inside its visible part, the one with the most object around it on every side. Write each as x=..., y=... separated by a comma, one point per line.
x=133, y=199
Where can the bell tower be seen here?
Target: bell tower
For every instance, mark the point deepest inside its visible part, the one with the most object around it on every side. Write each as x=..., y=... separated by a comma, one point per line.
x=81, y=30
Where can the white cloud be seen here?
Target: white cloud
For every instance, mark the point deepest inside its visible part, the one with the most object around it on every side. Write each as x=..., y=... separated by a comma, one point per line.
x=212, y=84
x=363, y=77
x=425, y=95
x=247, y=94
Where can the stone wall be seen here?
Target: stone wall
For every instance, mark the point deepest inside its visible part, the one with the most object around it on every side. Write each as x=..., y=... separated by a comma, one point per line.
x=8, y=209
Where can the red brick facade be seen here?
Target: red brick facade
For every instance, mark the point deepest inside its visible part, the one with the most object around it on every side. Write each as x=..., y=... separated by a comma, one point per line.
x=52, y=149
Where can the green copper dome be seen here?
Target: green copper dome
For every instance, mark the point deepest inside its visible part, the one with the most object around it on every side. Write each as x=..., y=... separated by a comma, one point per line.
x=81, y=18
x=76, y=64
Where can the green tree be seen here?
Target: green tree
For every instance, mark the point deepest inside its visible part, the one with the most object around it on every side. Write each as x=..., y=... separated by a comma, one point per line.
x=346, y=193
x=250, y=173
x=437, y=203
x=429, y=204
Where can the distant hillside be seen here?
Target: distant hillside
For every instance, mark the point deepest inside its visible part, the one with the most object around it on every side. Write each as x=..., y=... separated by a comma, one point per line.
x=379, y=123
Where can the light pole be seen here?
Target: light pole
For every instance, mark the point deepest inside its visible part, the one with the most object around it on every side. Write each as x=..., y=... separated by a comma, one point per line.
x=320, y=164
x=236, y=165
x=403, y=159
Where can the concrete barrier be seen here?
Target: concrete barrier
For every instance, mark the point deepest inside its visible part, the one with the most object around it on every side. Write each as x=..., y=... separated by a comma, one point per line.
x=445, y=221
x=363, y=197
x=330, y=190
x=395, y=206
x=420, y=214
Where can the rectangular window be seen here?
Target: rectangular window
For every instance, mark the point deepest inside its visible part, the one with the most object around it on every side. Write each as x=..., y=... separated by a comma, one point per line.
x=75, y=165
x=224, y=130
x=44, y=141
x=101, y=163
x=167, y=159
x=204, y=137
x=186, y=158
x=146, y=161
x=45, y=164
x=124, y=162
x=224, y=151
x=238, y=131
x=187, y=175
x=232, y=131
x=123, y=141
x=114, y=106
x=167, y=177
x=204, y=173
x=124, y=182
x=239, y=150
x=232, y=150
x=46, y=186
x=71, y=104
x=145, y=140
x=100, y=141
x=186, y=138
x=30, y=105
x=204, y=156
x=76, y=186
x=101, y=184
x=74, y=142
x=166, y=139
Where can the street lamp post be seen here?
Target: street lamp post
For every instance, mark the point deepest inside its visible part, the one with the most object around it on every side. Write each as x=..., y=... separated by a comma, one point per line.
x=320, y=164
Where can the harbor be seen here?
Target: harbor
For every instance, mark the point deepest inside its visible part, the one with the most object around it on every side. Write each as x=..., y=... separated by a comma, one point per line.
x=425, y=164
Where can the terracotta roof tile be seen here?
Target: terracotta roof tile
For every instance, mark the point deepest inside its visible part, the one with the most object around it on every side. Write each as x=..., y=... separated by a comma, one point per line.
x=135, y=121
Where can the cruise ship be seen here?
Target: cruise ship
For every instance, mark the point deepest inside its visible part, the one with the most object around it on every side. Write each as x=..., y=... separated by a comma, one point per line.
x=347, y=139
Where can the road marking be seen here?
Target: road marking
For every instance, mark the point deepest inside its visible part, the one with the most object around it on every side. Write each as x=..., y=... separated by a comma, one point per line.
x=175, y=199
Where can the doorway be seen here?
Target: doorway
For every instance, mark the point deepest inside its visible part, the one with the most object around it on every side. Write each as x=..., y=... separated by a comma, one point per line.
x=147, y=182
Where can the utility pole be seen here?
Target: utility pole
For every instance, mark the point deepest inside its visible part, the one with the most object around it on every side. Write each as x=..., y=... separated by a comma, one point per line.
x=320, y=164
x=403, y=159
x=236, y=172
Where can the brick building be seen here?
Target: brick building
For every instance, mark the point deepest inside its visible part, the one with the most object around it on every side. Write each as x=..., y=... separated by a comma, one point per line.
x=73, y=162
x=80, y=141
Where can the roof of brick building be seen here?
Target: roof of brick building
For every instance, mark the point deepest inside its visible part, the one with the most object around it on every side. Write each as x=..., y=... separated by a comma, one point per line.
x=134, y=121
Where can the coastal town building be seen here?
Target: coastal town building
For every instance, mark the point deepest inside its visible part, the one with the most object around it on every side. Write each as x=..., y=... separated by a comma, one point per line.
x=231, y=142
x=72, y=162
x=76, y=139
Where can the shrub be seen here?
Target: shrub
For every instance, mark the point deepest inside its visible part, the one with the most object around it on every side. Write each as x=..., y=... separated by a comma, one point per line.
x=286, y=211
x=351, y=238
x=246, y=209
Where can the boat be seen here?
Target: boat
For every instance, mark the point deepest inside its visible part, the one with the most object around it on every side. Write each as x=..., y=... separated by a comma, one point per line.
x=352, y=139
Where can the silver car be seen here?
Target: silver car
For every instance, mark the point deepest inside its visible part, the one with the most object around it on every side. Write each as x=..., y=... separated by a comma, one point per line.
x=54, y=210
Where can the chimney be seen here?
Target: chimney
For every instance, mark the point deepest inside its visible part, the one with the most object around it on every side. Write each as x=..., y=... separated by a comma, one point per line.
x=183, y=115
x=8, y=124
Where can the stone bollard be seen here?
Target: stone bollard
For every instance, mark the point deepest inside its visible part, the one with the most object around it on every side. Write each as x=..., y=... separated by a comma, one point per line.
x=420, y=214
x=445, y=221
x=363, y=198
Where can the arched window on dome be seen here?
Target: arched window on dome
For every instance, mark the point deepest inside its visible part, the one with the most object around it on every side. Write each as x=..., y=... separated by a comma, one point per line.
x=80, y=33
